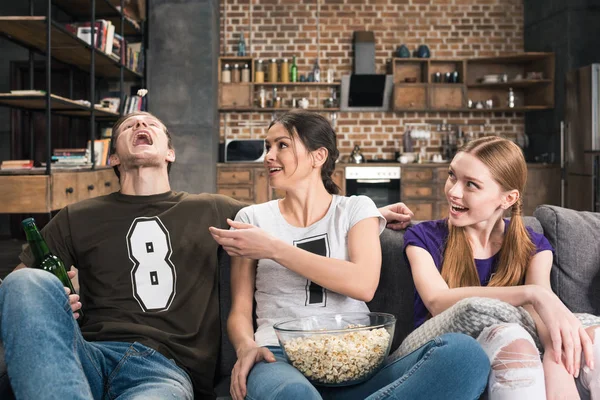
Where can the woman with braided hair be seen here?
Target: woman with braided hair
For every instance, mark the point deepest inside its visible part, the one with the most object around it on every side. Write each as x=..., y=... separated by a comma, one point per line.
x=477, y=255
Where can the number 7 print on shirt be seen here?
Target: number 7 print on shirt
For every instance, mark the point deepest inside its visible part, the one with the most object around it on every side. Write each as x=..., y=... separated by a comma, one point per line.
x=319, y=245
x=153, y=275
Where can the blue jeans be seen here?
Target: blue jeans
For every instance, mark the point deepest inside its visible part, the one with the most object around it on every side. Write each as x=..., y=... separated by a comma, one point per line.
x=47, y=356
x=452, y=366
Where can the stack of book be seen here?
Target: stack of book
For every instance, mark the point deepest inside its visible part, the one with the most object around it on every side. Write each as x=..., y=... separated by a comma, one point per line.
x=16, y=164
x=70, y=158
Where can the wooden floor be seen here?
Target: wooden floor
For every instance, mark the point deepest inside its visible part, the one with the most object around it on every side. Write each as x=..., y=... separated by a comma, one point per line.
x=9, y=255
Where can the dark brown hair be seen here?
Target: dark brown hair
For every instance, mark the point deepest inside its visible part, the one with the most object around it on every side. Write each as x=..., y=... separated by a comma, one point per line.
x=314, y=131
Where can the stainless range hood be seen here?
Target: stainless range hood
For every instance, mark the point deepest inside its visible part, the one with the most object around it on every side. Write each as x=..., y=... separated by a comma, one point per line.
x=365, y=90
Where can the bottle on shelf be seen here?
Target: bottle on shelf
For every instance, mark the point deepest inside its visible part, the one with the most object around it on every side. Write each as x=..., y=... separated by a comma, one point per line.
x=316, y=71
x=241, y=46
x=246, y=73
x=511, y=98
x=43, y=257
x=294, y=71
x=235, y=74
x=262, y=98
x=285, y=71
x=272, y=71
x=259, y=75
x=274, y=97
x=226, y=74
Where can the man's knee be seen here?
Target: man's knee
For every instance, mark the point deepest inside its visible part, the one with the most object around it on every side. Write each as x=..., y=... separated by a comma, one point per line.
x=30, y=286
x=26, y=279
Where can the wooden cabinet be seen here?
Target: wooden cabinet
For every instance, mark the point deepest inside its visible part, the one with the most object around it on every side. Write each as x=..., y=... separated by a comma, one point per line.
x=45, y=193
x=448, y=84
x=249, y=182
x=422, y=189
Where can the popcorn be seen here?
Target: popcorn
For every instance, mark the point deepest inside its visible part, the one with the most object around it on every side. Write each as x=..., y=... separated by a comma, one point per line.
x=142, y=92
x=334, y=359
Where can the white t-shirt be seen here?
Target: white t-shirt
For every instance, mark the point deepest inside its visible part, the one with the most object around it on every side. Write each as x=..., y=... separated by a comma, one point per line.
x=282, y=294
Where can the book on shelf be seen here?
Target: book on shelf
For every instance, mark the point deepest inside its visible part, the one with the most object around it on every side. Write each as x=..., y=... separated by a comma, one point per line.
x=69, y=152
x=135, y=57
x=101, y=149
x=16, y=164
x=111, y=103
x=106, y=132
x=104, y=32
x=27, y=92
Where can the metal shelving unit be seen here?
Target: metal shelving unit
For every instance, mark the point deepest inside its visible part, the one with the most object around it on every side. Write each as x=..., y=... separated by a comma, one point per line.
x=42, y=34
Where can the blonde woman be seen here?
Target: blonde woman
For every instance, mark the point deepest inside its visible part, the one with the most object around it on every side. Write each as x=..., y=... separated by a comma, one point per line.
x=476, y=252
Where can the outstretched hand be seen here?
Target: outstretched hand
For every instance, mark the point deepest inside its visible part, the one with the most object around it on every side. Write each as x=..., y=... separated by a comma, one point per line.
x=398, y=215
x=73, y=298
x=245, y=241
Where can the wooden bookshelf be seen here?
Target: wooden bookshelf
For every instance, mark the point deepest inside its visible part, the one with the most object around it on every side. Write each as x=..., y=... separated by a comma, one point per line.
x=67, y=48
x=104, y=10
x=60, y=105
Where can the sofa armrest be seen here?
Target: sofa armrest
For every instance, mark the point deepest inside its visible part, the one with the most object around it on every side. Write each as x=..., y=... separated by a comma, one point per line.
x=575, y=276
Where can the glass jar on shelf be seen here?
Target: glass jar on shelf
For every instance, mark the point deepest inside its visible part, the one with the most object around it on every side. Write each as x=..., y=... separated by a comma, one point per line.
x=285, y=71
x=235, y=74
x=246, y=73
x=273, y=71
x=259, y=74
x=226, y=74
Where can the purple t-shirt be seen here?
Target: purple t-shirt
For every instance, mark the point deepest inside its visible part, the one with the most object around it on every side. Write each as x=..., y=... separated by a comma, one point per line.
x=432, y=236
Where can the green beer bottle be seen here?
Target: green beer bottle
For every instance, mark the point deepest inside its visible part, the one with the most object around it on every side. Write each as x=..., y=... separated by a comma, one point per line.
x=294, y=71
x=44, y=259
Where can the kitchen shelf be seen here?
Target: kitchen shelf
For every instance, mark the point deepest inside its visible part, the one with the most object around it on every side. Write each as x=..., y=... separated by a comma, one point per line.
x=65, y=47
x=104, y=10
x=513, y=84
x=280, y=109
x=60, y=105
x=428, y=96
x=337, y=83
x=497, y=109
x=512, y=58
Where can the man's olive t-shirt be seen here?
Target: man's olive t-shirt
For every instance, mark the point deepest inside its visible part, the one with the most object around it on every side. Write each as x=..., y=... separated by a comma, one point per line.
x=148, y=272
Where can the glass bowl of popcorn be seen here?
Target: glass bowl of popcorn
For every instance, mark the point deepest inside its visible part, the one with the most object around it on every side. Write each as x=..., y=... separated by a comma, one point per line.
x=337, y=349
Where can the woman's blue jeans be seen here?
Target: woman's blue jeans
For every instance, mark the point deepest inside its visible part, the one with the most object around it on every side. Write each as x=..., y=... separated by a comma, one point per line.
x=48, y=358
x=452, y=366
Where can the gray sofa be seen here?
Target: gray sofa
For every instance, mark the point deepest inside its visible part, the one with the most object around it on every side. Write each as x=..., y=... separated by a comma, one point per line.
x=575, y=277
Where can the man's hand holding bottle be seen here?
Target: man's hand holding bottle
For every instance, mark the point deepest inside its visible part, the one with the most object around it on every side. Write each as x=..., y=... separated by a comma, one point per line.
x=73, y=298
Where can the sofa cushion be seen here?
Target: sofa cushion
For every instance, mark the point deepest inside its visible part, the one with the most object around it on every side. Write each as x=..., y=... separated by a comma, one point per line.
x=395, y=293
x=575, y=274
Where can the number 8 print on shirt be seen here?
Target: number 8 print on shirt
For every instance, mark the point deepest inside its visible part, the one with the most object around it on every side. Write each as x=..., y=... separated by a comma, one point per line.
x=153, y=275
x=319, y=245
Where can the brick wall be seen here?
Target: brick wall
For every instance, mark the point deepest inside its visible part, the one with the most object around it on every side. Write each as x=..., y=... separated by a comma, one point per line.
x=323, y=28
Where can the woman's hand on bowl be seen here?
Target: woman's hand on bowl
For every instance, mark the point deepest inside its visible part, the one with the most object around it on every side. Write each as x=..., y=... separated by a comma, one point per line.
x=246, y=360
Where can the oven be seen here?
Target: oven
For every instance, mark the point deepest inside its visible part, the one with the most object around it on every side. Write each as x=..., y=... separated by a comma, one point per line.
x=381, y=184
